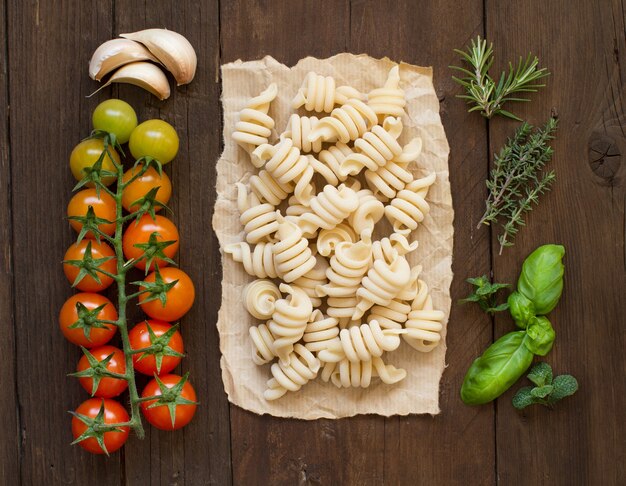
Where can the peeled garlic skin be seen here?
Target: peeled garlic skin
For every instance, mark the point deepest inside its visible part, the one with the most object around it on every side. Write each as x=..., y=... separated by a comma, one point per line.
x=142, y=74
x=115, y=53
x=172, y=49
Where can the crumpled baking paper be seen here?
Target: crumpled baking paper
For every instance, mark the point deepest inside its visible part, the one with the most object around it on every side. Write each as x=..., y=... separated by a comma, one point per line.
x=244, y=382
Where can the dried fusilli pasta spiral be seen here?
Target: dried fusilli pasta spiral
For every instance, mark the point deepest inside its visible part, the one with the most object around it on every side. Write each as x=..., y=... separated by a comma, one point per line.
x=259, y=298
x=263, y=342
x=345, y=124
x=329, y=208
x=369, y=211
x=395, y=314
x=298, y=130
x=328, y=239
x=362, y=343
x=292, y=255
x=383, y=282
x=312, y=279
x=390, y=245
x=319, y=93
x=375, y=148
x=424, y=324
x=321, y=332
x=257, y=261
x=269, y=189
x=347, y=267
x=259, y=220
x=287, y=166
x=333, y=157
x=289, y=320
x=347, y=374
x=255, y=125
x=392, y=177
x=409, y=207
x=388, y=100
x=302, y=368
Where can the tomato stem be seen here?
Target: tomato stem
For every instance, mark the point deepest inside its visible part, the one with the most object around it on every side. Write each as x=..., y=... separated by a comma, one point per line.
x=122, y=301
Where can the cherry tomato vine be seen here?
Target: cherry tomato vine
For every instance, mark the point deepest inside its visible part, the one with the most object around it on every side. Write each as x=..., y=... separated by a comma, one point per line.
x=118, y=230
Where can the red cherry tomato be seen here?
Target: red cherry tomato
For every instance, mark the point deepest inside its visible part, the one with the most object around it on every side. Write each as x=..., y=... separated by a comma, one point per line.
x=160, y=416
x=97, y=335
x=103, y=207
x=140, y=338
x=107, y=387
x=142, y=185
x=113, y=413
x=98, y=250
x=179, y=298
x=139, y=232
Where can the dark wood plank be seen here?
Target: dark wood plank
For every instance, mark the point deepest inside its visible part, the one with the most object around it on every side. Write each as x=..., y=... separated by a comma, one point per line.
x=50, y=44
x=582, y=440
x=200, y=453
x=429, y=450
x=9, y=447
x=277, y=451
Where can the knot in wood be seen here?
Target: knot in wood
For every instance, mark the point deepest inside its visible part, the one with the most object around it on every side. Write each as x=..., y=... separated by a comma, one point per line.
x=604, y=156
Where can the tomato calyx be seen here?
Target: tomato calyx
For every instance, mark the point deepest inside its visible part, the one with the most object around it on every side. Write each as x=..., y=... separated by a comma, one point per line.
x=90, y=223
x=88, y=319
x=96, y=428
x=89, y=266
x=153, y=250
x=97, y=370
x=157, y=289
x=148, y=161
x=96, y=175
x=159, y=346
x=170, y=397
x=148, y=204
x=110, y=139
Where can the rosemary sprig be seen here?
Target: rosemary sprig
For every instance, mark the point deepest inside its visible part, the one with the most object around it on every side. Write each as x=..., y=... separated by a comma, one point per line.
x=517, y=180
x=483, y=92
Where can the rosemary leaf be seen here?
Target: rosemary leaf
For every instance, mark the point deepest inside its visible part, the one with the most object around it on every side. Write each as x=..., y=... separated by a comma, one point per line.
x=517, y=179
x=486, y=95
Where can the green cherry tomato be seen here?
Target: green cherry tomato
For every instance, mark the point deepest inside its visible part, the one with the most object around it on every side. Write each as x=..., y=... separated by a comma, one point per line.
x=154, y=138
x=117, y=117
x=86, y=154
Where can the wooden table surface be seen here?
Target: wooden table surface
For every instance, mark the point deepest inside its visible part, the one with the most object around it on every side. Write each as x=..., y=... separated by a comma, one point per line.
x=45, y=48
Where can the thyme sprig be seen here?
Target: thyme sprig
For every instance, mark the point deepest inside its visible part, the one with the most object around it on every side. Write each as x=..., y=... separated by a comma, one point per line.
x=517, y=179
x=486, y=95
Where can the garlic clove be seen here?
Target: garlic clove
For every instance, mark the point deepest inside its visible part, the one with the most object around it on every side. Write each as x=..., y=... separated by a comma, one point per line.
x=115, y=53
x=142, y=74
x=173, y=50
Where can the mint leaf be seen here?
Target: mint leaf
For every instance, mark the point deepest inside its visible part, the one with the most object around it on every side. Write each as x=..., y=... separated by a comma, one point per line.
x=523, y=398
x=564, y=386
x=541, y=391
x=541, y=374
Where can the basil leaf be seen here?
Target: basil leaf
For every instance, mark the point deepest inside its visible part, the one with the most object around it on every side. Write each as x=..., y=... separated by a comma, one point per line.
x=497, y=369
x=541, y=280
x=521, y=308
x=540, y=336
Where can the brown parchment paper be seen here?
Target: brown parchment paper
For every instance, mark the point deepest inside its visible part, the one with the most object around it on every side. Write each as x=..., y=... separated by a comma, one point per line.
x=244, y=382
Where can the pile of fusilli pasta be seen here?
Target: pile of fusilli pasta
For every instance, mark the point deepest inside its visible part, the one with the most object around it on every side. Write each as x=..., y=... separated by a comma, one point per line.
x=333, y=297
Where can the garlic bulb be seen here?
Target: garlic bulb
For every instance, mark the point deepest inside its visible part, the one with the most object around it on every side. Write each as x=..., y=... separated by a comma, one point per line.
x=172, y=49
x=115, y=53
x=142, y=74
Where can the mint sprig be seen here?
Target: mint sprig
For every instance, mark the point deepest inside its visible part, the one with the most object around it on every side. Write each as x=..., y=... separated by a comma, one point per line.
x=485, y=295
x=547, y=391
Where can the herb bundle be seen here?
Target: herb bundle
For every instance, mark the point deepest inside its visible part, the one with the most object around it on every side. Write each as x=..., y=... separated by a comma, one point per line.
x=483, y=92
x=517, y=179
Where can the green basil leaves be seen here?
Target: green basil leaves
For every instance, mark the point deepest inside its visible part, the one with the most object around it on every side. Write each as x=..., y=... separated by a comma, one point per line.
x=541, y=280
x=501, y=365
x=540, y=336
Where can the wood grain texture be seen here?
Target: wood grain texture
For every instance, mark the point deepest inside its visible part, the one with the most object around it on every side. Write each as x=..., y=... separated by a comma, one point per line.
x=458, y=431
x=199, y=454
x=9, y=413
x=583, y=45
x=49, y=44
x=44, y=80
